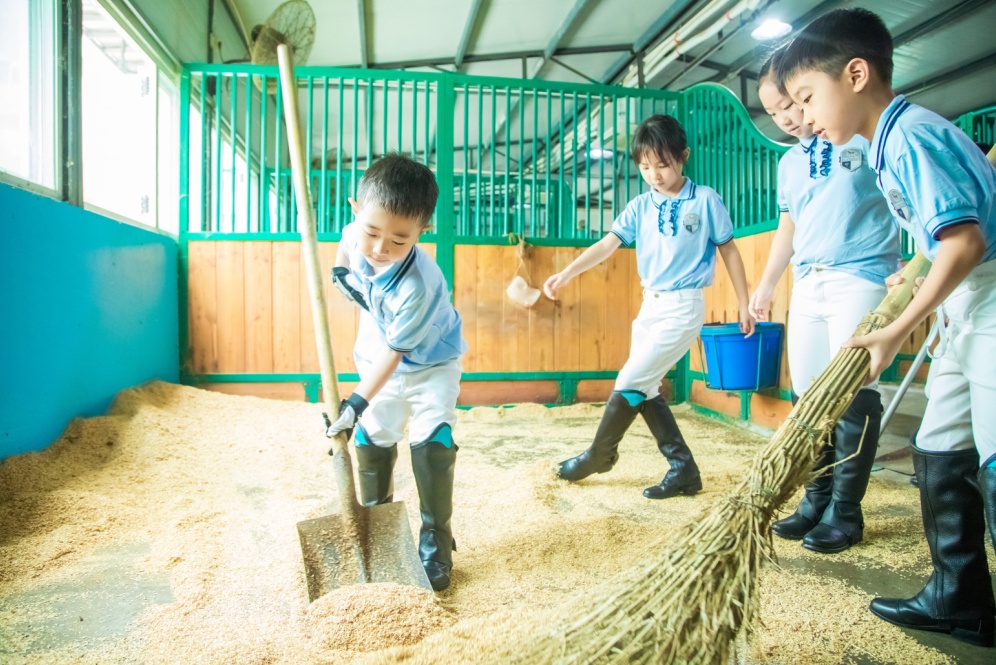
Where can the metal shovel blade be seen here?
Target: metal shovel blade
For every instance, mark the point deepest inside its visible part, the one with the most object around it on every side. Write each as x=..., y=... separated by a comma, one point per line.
x=385, y=550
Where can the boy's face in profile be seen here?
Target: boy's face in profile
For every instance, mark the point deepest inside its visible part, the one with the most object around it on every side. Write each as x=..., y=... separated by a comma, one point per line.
x=828, y=104
x=384, y=239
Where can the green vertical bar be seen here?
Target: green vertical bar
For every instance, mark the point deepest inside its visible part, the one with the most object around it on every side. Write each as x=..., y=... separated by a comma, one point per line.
x=601, y=162
x=369, y=121
x=233, y=102
x=340, y=200
x=629, y=137
x=356, y=135
x=492, y=228
x=384, y=125
x=248, y=160
x=415, y=119
x=549, y=158
x=534, y=199
x=615, y=149
x=574, y=170
x=561, y=199
x=508, y=162
x=520, y=195
x=184, y=175
x=205, y=169
x=309, y=124
x=587, y=166
x=465, y=184
x=323, y=215
x=264, y=190
x=480, y=160
x=214, y=223
x=428, y=118
x=401, y=115
x=278, y=184
x=445, y=97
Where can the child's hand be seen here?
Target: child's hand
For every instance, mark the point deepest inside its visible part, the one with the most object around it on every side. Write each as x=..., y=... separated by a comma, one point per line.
x=760, y=303
x=554, y=283
x=882, y=346
x=895, y=279
x=746, y=321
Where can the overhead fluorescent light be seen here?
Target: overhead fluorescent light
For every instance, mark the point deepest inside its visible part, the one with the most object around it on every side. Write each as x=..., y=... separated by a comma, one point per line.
x=770, y=29
x=599, y=153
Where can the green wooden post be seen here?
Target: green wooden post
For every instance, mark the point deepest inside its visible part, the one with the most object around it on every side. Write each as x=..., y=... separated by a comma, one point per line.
x=445, y=96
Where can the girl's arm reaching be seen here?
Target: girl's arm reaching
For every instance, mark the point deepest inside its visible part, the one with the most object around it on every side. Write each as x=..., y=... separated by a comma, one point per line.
x=591, y=257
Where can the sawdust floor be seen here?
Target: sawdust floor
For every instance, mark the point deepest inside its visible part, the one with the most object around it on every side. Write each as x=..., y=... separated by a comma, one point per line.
x=164, y=532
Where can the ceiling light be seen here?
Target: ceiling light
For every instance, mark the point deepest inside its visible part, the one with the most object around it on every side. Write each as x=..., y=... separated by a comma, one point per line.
x=599, y=153
x=772, y=28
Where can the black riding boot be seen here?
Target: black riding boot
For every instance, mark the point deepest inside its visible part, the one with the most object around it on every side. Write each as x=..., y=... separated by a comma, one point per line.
x=987, y=486
x=376, y=469
x=432, y=464
x=604, y=450
x=815, y=500
x=842, y=524
x=683, y=476
x=958, y=597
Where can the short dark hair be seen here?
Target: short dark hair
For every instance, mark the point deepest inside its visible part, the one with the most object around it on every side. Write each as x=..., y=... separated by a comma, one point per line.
x=401, y=186
x=833, y=40
x=661, y=135
x=769, y=69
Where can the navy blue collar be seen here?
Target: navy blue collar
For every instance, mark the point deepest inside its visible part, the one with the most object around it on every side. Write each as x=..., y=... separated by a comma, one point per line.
x=389, y=279
x=886, y=122
x=686, y=192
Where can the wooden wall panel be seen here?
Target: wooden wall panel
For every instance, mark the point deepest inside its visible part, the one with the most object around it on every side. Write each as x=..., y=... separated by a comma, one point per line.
x=259, y=306
x=202, y=308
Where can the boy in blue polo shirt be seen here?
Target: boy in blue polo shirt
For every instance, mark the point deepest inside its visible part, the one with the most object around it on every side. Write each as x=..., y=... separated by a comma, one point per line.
x=941, y=189
x=407, y=351
x=677, y=227
x=837, y=231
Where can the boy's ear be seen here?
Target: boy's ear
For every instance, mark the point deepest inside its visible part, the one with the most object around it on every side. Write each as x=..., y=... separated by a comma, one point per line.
x=857, y=73
x=354, y=205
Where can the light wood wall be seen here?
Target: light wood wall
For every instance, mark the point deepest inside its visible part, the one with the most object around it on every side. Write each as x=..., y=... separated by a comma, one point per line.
x=248, y=312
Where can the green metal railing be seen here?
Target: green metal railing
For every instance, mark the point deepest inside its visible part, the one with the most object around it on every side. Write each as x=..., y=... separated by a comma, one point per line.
x=535, y=158
x=980, y=125
x=729, y=154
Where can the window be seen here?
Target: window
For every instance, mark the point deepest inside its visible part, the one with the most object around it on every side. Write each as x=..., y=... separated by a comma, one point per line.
x=27, y=91
x=119, y=107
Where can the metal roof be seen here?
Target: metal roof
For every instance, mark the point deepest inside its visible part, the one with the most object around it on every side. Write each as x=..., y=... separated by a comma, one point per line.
x=945, y=55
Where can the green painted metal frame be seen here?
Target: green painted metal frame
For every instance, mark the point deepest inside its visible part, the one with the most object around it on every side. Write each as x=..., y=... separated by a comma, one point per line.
x=980, y=125
x=567, y=381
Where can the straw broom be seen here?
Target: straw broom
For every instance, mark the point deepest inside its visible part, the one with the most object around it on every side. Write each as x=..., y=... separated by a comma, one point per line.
x=690, y=604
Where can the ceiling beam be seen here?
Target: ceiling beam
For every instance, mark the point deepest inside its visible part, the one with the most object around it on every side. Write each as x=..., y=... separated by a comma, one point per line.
x=491, y=57
x=950, y=75
x=361, y=7
x=664, y=22
x=469, y=30
x=577, y=11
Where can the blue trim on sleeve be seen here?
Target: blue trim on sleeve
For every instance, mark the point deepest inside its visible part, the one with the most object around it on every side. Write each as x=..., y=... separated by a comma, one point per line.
x=393, y=348
x=624, y=241
x=953, y=222
x=725, y=241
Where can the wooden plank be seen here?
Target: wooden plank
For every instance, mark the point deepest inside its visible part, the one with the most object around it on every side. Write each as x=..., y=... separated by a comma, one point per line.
x=343, y=314
x=515, y=317
x=259, y=307
x=287, y=307
x=290, y=391
x=308, y=347
x=767, y=411
x=493, y=393
x=618, y=315
x=202, y=349
x=230, y=290
x=489, y=309
x=567, y=323
x=540, y=352
x=593, y=292
x=465, y=299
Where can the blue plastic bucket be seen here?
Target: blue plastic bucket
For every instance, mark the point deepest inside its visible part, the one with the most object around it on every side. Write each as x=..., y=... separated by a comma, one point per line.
x=734, y=362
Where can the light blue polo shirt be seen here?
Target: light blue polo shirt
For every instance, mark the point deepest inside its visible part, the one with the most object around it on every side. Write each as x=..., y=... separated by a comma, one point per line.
x=841, y=220
x=675, y=238
x=932, y=176
x=409, y=310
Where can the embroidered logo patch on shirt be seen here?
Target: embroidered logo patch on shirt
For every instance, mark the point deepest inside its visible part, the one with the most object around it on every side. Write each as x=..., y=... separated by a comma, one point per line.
x=691, y=222
x=852, y=159
x=899, y=204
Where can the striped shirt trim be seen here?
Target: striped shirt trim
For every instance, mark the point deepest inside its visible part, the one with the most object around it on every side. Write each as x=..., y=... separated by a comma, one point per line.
x=890, y=122
x=405, y=267
x=954, y=222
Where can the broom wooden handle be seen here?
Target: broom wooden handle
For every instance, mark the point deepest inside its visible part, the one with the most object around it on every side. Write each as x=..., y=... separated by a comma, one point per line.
x=309, y=246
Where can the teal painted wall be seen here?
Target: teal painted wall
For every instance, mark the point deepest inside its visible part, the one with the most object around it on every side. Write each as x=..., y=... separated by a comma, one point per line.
x=88, y=306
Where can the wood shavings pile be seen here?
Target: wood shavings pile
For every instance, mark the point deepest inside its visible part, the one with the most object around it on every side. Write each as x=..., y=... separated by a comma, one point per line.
x=165, y=532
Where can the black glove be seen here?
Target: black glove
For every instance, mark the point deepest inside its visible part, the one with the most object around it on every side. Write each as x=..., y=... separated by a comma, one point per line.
x=340, y=278
x=349, y=413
